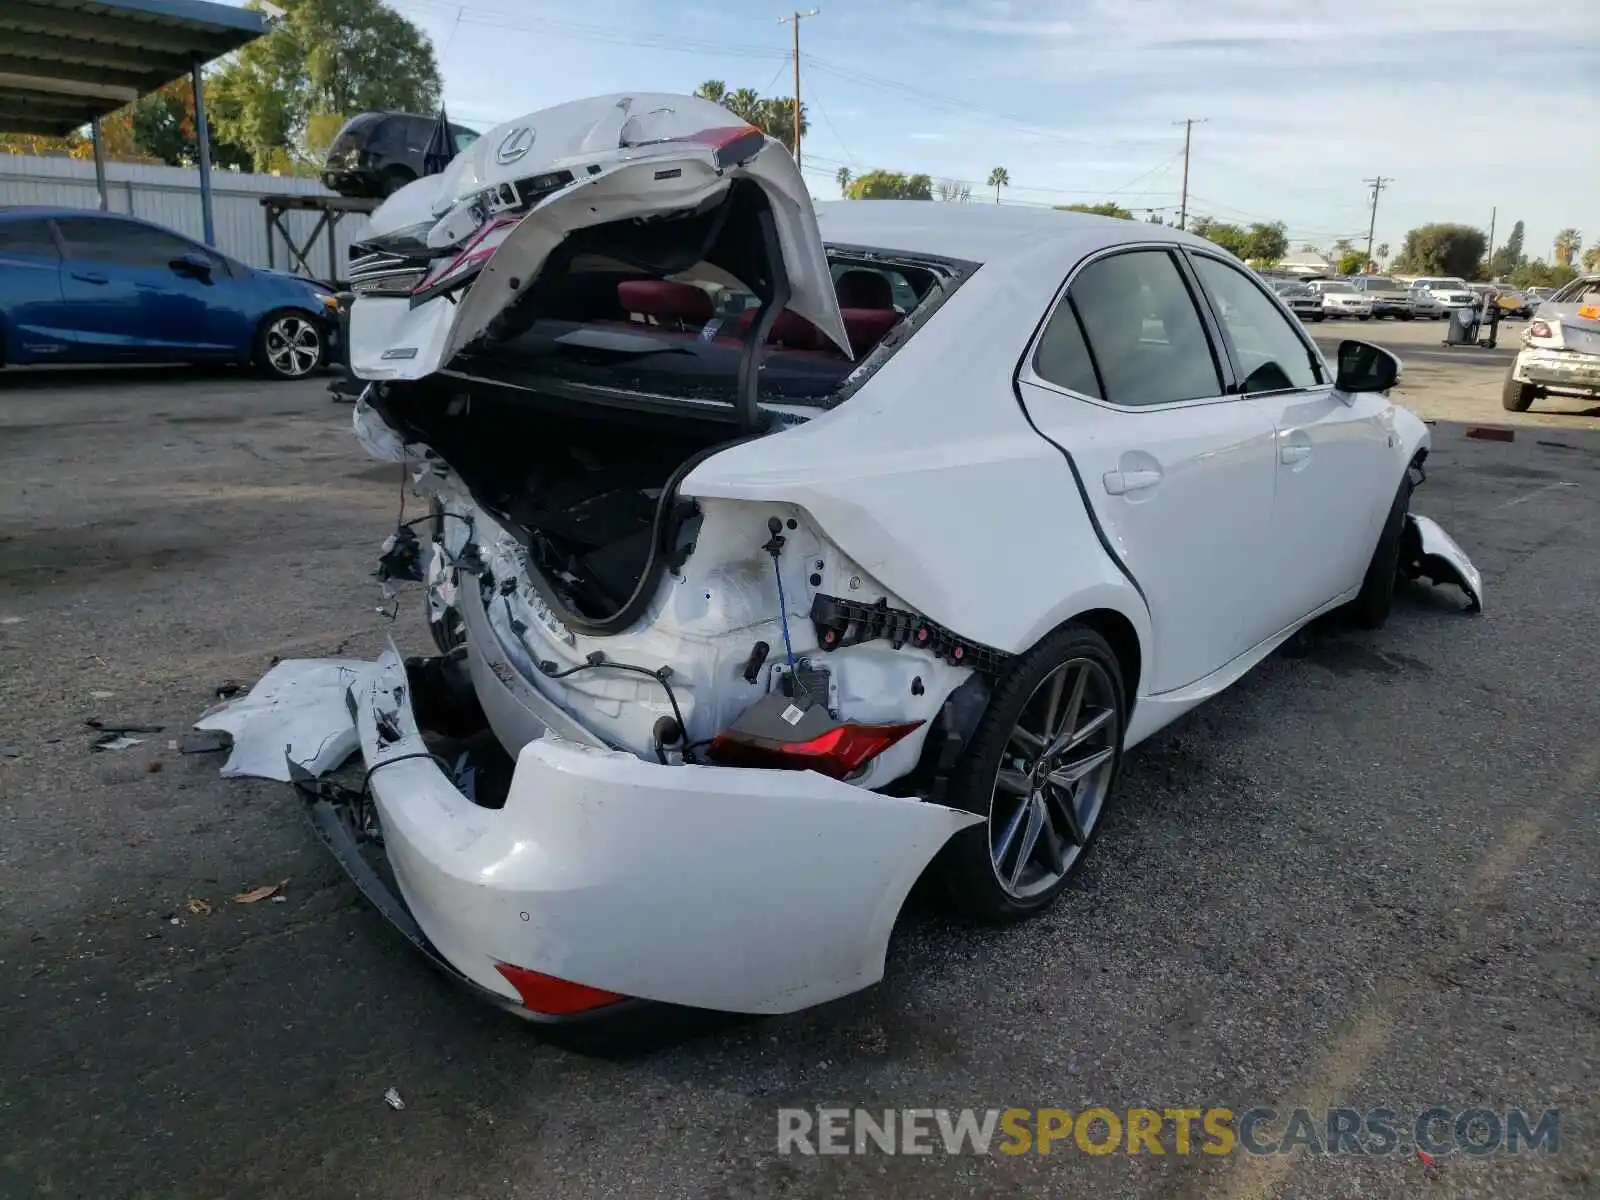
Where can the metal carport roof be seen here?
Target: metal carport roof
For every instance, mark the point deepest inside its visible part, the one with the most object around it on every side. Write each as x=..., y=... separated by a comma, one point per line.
x=64, y=63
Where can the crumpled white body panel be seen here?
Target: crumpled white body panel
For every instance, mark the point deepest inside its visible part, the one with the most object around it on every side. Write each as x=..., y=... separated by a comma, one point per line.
x=296, y=711
x=1444, y=561
x=726, y=888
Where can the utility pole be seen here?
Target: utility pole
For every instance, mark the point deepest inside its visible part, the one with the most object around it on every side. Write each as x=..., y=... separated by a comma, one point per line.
x=1488, y=261
x=796, y=18
x=1378, y=185
x=1188, y=124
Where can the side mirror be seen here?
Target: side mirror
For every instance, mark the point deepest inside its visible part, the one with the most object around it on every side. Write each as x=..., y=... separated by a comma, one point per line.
x=195, y=266
x=1364, y=367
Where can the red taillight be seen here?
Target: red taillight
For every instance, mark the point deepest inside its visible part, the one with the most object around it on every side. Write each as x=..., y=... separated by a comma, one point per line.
x=552, y=997
x=1539, y=329
x=448, y=273
x=838, y=753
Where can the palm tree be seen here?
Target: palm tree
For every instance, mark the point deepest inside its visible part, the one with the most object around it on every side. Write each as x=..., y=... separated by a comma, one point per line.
x=1567, y=243
x=842, y=178
x=1382, y=251
x=999, y=178
x=713, y=90
x=744, y=104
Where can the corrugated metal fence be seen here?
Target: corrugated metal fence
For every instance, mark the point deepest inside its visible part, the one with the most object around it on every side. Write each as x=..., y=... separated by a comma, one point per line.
x=170, y=196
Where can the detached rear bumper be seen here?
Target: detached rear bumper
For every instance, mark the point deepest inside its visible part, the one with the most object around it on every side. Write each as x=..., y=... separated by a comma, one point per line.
x=732, y=889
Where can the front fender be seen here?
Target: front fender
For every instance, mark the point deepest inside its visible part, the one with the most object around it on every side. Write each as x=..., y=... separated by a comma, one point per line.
x=1412, y=436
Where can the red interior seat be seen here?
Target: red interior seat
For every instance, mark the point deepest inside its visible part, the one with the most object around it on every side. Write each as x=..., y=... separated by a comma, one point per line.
x=866, y=327
x=665, y=301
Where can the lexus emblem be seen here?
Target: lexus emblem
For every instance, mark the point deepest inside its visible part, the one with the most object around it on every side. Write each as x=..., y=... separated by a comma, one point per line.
x=514, y=145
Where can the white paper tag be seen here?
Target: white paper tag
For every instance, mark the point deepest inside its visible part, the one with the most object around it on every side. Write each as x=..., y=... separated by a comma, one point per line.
x=792, y=714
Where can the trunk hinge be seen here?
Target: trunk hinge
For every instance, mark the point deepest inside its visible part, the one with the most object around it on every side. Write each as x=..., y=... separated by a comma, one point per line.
x=755, y=340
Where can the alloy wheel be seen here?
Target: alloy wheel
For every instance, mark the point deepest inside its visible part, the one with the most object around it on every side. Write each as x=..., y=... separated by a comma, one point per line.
x=1053, y=778
x=293, y=346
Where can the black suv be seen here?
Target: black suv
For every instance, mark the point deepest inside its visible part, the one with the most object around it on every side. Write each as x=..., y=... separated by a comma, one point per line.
x=377, y=154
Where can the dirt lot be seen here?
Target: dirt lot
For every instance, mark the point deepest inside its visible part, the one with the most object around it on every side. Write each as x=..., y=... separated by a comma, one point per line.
x=1363, y=877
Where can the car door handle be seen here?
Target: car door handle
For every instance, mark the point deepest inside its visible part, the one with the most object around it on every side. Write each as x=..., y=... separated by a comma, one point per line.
x=1293, y=452
x=1120, y=483
x=90, y=278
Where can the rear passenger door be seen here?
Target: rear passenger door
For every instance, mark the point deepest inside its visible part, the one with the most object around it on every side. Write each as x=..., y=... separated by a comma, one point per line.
x=1336, y=474
x=1177, y=471
x=33, y=324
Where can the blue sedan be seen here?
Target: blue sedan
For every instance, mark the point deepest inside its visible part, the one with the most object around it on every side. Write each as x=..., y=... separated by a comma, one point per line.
x=91, y=287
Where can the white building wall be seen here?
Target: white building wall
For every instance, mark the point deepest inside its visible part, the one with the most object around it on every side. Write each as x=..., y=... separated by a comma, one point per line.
x=170, y=196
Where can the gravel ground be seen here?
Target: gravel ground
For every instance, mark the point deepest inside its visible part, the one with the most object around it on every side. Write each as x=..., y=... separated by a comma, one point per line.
x=1362, y=878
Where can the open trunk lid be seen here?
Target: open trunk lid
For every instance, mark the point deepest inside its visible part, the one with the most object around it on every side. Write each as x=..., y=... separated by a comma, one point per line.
x=449, y=253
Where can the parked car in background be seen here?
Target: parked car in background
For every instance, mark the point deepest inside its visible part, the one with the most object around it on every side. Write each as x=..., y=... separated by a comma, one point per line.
x=1390, y=297
x=1302, y=301
x=1560, y=348
x=1450, y=292
x=1341, y=299
x=78, y=286
x=1424, y=307
x=377, y=154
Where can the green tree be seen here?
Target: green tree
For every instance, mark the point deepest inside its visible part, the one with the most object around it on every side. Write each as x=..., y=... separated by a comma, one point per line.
x=325, y=57
x=1155, y=219
x=1382, y=252
x=1351, y=262
x=1105, y=208
x=1442, y=249
x=1230, y=237
x=952, y=191
x=891, y=185
x=1566, y=246
x=1591, y=259
x=162, y=126
x=1266, y=243
x=1509, y=256
x=999, y=178
x=1539, y=273
x=842, y=178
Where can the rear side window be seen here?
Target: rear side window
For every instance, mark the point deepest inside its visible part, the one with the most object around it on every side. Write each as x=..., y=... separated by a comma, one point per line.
x=1144, y=331
x=1063, y=355
x=27, y=239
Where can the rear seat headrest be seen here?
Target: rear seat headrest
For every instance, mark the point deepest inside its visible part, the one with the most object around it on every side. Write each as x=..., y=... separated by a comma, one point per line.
x=860, y=288
x=662, y=298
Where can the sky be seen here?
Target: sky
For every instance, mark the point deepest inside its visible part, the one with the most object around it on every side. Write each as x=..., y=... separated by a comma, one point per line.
x=1467, y=106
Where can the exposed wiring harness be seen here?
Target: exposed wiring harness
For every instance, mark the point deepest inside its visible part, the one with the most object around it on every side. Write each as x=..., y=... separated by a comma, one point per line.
x=598, y=660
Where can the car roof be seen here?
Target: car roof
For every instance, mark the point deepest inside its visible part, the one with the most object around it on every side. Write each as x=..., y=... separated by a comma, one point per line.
x=980, y=232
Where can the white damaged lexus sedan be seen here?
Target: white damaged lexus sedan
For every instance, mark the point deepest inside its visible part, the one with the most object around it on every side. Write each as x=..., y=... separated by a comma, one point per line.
x=789, y=552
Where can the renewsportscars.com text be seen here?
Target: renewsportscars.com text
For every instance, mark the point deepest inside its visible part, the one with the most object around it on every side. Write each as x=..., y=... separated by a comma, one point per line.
x=1435, y=1131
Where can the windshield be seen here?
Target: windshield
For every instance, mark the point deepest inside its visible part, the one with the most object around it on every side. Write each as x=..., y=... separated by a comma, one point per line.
x=1335, y=286
x=1380, y=283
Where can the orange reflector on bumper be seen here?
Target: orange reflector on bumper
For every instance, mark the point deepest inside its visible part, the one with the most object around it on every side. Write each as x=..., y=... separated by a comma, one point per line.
x=551, y=996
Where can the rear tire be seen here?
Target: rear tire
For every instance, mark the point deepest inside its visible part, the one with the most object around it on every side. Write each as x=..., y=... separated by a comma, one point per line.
x=1371, y=607
x=1040, y=769
x=1516, y=396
